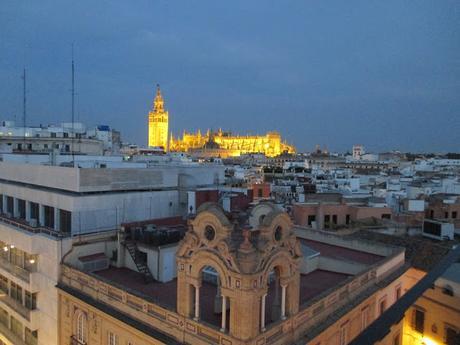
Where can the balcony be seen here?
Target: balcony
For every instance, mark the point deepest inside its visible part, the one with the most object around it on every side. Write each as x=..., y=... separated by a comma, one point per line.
x=23, y=225
x=12, y=337
x=16, y=306
x=17, y=271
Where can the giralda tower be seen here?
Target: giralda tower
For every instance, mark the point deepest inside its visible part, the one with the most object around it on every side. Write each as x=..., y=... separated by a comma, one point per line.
x=158, y=122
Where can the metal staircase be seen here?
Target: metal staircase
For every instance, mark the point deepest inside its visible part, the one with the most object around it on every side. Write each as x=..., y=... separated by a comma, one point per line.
x=141, y=266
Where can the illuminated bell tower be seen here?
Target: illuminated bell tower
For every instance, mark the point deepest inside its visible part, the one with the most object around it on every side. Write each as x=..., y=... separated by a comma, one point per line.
x=158, y=122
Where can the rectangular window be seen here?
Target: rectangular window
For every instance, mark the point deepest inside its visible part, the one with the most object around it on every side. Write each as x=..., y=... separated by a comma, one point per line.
x=451, y=336
x=112, y=339
x=334, y=219
x=311, y=219
x=16, y=327
x=327, y=219
x=34, y=211
x=31, y=300
x=16, y=292
x=65, y=219
x=4, y=317
x=31, y=337
x=454, y=214
x=382, y=306
x=260, y=192
x=49, y=217
x=343, y=334
x=446, y=214
x=398, y=292
x=419, y=320
x=9, y=205
x=22, y=208
x=347, y=219
x=365, y=317
x=4, y=284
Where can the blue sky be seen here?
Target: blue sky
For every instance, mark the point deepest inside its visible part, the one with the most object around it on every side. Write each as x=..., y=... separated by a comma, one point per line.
x=385, y=74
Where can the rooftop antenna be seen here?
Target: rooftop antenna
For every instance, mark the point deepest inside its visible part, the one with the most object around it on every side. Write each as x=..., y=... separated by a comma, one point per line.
x=24, y=104
x=73, y=108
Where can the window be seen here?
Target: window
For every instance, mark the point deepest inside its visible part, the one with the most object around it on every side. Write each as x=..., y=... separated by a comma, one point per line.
x=4, y=317
x=451, y=337
x=454, y=214
x=446, y=214
x=65, y=220
x=365, y=317
x=31, y=337
x=34, y=210
x=347, y=219
x=49, y=216
x=311, y=219
x=431, y=214
x=112, y=339
x=382, y=306
x=386, y=216
x=419, y=320
x=260, y=192
x=16, y=327
x=4, y=284
x=327, y=219
x=16, y=292
x=31, y=300
x=398, y=292
x=53, y=135
x=396, y=339
x=334, y=219
x=81, y=327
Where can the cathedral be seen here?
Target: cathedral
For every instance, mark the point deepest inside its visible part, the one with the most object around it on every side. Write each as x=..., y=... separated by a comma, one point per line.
x=217, y=144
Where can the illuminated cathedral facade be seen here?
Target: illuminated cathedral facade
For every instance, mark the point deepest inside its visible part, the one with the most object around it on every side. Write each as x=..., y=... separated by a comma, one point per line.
x=217, y=144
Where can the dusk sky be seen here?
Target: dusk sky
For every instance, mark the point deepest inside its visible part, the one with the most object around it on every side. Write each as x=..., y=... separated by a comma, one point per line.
x=385, y=74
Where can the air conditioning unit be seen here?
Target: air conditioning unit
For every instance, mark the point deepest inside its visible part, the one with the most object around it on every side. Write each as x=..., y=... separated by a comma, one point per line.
x=33, y=223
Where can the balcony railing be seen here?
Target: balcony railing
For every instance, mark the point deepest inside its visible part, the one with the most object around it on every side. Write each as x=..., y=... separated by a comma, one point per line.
x=17, y=271
x=12, y=337
x=16, y=306
x=21, y=224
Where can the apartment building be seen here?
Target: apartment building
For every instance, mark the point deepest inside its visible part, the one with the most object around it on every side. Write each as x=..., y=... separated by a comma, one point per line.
x=47, y=211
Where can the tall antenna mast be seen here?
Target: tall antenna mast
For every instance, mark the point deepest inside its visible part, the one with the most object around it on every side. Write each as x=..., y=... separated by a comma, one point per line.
x=73, y=109
x=24, y=104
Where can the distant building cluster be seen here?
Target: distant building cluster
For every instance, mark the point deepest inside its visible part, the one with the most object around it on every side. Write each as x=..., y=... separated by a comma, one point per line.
x=226, y=241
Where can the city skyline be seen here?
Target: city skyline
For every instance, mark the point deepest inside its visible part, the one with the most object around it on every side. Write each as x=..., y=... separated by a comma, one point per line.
x=381, y=75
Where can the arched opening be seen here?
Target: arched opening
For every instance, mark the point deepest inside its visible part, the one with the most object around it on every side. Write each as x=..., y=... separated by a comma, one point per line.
x=273, y=299
x=80, y=328
x=214, y=308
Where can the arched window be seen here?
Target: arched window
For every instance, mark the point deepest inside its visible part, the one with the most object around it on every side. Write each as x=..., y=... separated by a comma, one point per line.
x=81, y=328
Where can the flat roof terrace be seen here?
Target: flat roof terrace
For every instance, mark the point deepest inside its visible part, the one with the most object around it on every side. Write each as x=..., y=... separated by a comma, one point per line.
x=165, y=294
x=342, y=253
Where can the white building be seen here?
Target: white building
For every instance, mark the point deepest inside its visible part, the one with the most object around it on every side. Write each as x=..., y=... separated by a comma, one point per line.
x=47, y=211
